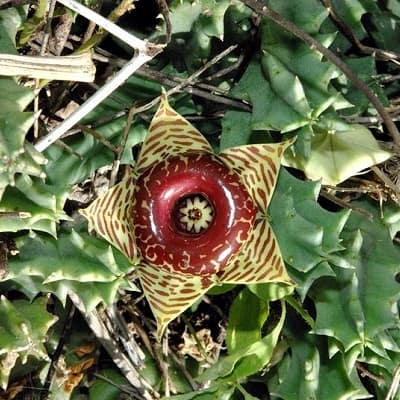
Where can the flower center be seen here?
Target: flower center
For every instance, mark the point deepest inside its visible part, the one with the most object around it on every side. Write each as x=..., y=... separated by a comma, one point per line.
x=193, y=214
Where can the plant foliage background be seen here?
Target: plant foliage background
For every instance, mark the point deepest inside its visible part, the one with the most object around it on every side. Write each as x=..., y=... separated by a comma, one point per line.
x=336, y=335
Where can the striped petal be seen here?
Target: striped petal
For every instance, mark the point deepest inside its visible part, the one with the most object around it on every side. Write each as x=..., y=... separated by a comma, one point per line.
x=170, y=294
x=110, y=216
x=169, y=134
x=258, y=166
x=260, y=261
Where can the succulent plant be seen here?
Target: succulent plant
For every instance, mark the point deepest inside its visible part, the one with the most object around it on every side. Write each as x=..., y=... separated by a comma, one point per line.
x=189, y=219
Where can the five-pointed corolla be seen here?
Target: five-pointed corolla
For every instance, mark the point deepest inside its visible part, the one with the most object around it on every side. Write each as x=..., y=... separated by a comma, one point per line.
x=190, y=219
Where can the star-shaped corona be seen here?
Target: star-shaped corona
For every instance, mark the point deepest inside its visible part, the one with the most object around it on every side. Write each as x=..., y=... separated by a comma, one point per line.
x=189, y=219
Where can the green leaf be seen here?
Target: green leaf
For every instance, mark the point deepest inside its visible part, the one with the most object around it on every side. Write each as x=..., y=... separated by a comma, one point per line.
x=351, y=12
x=42, y=202
x=365, y=69
x=247, y=316
x=270, y=291
x=298, y=77
x=104, y=389
x=309, y=234
x=338, y=152
x=23, y=331
x=246, y=360
x=34, y=24
x=360, y=303
x=307, y=373
x=80, y=263
x=215, y=392
x=10, y=19
x=183, y=15
x=194, y=27
x=17, y=157
x=236, y=129
x=69, y=169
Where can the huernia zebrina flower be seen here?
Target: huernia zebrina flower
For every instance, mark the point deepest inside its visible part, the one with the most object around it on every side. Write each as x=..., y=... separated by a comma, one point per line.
x=190, y=219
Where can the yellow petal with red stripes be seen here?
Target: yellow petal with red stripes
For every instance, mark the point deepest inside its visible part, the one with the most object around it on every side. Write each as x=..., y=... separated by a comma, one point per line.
x=169, y=134
x=258, y=165
x=260, y=261
x=169, y=293
x=110, y=216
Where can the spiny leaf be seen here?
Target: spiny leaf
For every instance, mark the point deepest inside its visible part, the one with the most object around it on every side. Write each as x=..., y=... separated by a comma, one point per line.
x=309, y=235
x=306, y=75
x=364, y=296
x=76, y=262
x=23, y=330
x=308, y=374
x=43, y=203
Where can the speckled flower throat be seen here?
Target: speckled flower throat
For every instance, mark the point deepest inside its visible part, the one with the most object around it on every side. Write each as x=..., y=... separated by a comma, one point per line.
x=193, y=214
x=189, y=219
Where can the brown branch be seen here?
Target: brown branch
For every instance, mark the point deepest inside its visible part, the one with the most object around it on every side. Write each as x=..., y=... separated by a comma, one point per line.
x=340, y=23
x=97, y=136
x=386, y=180
x=132, y=112
x=163, y=6
x=267, y=12
x=365, y=372
x=345, y=204
x=69, y=311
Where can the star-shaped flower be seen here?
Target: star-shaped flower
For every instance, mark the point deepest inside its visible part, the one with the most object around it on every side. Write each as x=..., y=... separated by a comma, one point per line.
x=190, y=219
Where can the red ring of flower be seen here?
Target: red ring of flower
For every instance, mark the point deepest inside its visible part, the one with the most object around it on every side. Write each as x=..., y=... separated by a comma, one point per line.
x=159, y=189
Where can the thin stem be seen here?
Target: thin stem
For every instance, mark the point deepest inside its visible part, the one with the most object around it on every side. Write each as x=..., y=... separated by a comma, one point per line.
x=121, y=147
x=345, y=204
x=365, y=372
x=146, y=51
x=165, y=365
x=394, y=386
x=386, y=180
x=340, y=23
x=120, y=77
x=98, y=327
x=163, y=6
x=261, y=9
x=122, y=388
x=100, y=138
x=66, y=330
x=51, y=7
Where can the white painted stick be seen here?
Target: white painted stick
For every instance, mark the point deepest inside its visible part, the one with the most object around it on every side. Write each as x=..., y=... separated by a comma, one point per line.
x=109, y=26
x=143, y=55
x=119, y=78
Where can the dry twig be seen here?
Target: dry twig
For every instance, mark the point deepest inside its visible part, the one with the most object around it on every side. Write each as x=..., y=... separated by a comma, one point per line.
x=267, y=12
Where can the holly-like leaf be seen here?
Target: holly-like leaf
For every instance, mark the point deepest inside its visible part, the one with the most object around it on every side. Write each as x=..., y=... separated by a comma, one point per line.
x=194, y=26
x=43, y=205
x=310, y=234
x=308, y=374
x=297, y=74
x=338, y=152
x=75, y=262
x=23, y=331
x=17, y=157
x=364, y=296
